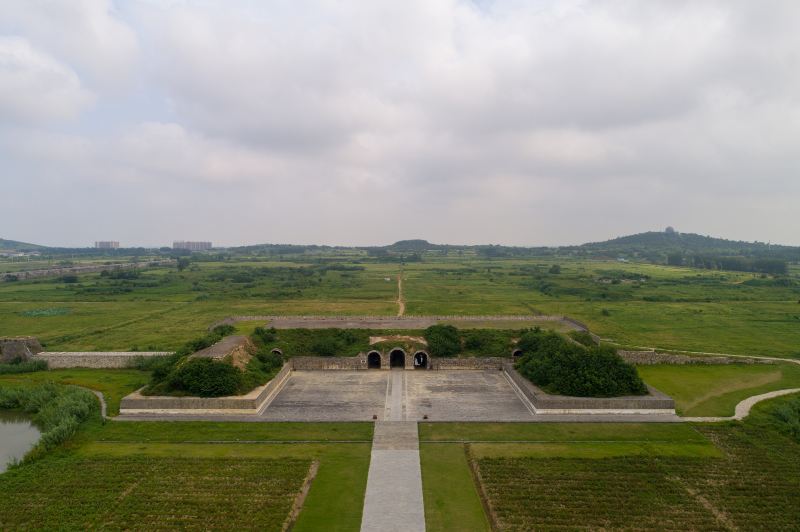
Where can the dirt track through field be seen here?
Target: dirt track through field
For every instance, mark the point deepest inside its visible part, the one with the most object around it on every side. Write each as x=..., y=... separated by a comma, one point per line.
x=401, y=303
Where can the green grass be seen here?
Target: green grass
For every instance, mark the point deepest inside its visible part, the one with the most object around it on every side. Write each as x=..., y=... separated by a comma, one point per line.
x=714, y=390
x=114, y=383
x=559, y=432
x=206, y=431
x=451, y=499
x=593, y=449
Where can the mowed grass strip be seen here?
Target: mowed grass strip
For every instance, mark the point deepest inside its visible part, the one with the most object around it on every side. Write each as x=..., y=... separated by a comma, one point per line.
x=592, y=449
x=451, y=498
x=207, y=431
x=715, y=390
x=559, y=432
x=144, y=492
x=113, y=383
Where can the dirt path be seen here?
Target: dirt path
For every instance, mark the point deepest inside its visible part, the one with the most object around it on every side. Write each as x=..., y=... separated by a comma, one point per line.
x=401, y=303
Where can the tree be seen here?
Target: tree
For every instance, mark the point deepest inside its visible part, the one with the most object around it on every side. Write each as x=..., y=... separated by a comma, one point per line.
x=443, y=340
x=555, y=269
x=183, y=263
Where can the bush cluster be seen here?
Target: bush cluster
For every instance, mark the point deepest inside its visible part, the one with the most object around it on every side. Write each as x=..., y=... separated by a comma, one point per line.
x=205, y=378
x=58, y=411
x=443, y=340
x=788, y=415
x=20, y=366
x=561, y=367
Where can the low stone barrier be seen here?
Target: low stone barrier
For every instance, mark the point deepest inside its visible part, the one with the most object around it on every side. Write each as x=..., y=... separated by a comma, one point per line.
x=649, y=358
x=250, y=403
x=95, y=359
x=496, y=363
x=544, y=403
x=329, y=363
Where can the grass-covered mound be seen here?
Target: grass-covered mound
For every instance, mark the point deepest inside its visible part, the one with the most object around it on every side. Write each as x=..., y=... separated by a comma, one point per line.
x=565, y=368
x=181, y=375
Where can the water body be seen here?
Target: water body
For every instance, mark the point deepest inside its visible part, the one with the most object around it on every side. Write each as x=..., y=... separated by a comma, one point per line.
x=17, y=436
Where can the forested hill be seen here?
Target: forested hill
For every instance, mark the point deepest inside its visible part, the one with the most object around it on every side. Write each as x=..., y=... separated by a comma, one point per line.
x=696, y=250
x=18, y=246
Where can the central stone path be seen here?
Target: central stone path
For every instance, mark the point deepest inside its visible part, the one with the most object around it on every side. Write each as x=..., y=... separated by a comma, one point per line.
x=393, y=501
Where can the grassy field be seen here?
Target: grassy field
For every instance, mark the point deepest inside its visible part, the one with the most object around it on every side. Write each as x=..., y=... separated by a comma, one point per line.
x=714, y=390
x=630, y=303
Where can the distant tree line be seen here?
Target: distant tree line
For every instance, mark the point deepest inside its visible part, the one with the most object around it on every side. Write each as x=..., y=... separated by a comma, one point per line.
x=739, y=264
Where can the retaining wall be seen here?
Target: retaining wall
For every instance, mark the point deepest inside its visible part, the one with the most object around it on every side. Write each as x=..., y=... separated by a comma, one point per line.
x=328, y=363
x=649, y=358
x=469, y=363
x=94, y=359
x=251, y=403
x=544, y=403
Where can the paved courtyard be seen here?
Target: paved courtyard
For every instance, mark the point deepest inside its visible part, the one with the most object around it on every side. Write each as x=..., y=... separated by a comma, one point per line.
x=460, y=395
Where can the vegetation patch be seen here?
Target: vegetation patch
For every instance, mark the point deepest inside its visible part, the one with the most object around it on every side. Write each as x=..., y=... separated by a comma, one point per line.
x=45, y=312
x=58, y=411
x=561, y=367
x=23, y=366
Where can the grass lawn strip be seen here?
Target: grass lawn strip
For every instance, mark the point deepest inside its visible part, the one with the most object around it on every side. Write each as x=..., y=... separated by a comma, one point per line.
x=451, y=498
x=716, y=390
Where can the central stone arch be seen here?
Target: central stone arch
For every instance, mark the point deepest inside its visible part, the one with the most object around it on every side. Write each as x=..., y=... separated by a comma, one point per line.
x=397, y=358
x=421, y=360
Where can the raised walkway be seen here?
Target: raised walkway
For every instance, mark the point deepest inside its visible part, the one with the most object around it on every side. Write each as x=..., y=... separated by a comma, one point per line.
x=393, y=500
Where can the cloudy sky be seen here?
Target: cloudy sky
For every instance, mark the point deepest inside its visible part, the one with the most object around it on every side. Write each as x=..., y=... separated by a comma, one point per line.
x=364, y=122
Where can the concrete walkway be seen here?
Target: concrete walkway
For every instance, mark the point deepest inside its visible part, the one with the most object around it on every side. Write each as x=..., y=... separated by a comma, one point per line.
x=744, y=407
x=393, y=501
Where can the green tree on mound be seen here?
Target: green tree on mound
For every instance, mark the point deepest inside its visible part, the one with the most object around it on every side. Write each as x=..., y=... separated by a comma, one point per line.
x=561, y=367
x=443, y=340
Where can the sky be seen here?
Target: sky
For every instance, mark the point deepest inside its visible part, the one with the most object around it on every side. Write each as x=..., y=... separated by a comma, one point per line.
x=365, y=122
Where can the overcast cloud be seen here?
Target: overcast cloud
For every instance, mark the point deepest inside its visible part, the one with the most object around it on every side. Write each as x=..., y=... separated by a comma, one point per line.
x=512, y=122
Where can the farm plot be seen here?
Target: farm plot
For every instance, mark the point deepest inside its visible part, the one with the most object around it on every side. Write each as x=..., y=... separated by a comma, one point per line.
x=139, y=492
x=753, y=486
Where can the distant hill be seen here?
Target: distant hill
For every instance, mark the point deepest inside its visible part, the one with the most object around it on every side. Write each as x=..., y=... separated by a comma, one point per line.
x=672, y=241
x=18, y=246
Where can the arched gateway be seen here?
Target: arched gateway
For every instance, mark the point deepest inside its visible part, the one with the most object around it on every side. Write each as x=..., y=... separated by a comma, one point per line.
x=397, y=358
x=420, y=360
x=373, y=360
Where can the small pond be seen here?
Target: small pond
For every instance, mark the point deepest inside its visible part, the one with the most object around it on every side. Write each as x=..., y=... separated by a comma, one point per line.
x=17, y=436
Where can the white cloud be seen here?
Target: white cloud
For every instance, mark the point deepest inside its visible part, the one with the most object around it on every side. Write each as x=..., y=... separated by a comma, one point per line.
x=36, y=87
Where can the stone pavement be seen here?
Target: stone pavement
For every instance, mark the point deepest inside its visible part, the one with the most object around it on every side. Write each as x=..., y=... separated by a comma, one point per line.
x=393, y=500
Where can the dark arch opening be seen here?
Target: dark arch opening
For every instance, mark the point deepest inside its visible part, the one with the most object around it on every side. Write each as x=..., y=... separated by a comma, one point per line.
x=516, y=353
x=420, y=360
x=397, y=359
x=277, y=351
x=374, y=360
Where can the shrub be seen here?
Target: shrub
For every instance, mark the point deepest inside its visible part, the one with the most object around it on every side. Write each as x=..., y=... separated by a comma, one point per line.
x=264, y=335
x=560, y=367
x=206, y=378
x=68, y=279
x=326, y=346
x=555, y=269
x=28, y=366
x=788, y=416
x=269, y=360
x=224, y=330
x=443, y=340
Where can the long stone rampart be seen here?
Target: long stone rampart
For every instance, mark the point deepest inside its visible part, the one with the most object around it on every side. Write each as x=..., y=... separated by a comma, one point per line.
x=649, y=358
x=496, y=363
x=543, y=403
x=95, y=359
x=329, y=363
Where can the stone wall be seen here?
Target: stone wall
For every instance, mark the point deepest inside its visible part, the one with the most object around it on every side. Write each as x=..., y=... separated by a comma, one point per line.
x=543, y=403
x=329, y=363
x=22, y=347
x=648, y=358
x=95, y=359
x=250, y=403
x=469, y=363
